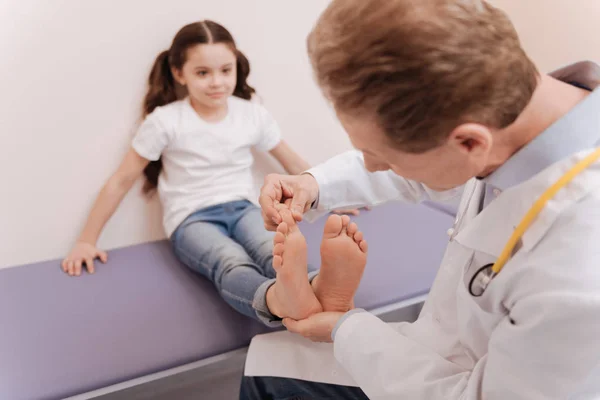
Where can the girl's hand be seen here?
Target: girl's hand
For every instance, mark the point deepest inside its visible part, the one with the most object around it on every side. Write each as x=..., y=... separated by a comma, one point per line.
x=82, y=253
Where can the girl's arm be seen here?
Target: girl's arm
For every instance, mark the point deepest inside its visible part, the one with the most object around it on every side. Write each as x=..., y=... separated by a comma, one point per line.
x=289, y=159
x=108, y=200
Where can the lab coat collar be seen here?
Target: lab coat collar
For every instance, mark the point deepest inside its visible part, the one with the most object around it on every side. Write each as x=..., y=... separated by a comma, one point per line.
x=489, y=231
x=576, y=131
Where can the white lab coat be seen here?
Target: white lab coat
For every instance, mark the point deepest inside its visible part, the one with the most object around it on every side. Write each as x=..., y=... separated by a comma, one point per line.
x=535, y=332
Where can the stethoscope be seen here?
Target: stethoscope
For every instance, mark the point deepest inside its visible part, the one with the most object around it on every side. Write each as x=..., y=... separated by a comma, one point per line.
x=485, y=274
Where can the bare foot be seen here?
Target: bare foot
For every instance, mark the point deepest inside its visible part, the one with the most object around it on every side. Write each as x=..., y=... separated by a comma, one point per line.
x=292, y=295
x=343, y=260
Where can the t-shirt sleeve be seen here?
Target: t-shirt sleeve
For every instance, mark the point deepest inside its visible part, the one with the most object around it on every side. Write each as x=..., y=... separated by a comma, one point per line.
x=151, y=138
x=269, y=132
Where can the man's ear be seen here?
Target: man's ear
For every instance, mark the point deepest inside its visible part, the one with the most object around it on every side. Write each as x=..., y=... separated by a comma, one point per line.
x=472, y=139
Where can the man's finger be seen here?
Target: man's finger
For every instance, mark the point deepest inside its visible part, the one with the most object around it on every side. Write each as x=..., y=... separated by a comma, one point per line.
x=354, y=211
x=297, y=215
x=299, y=203
x=293, y=326
x=270, y=225
x=103, y=256
x=267, y=203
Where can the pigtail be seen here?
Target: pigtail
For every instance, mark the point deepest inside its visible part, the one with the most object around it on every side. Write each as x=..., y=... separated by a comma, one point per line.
x=161, y=84
x=242, y=89
x=161, y=91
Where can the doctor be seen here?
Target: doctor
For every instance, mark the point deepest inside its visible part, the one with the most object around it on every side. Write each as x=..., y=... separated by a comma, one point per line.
x=440, y=100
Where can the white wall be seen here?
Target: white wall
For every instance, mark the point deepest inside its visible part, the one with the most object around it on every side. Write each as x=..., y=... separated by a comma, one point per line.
x=556, y=32
x=72, y=76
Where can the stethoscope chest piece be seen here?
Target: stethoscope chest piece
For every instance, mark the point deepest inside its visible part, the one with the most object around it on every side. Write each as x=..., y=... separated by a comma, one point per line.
x=481, y=280
x=484, y=276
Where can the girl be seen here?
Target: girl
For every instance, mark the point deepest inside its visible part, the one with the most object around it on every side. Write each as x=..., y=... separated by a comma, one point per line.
x=196, y=150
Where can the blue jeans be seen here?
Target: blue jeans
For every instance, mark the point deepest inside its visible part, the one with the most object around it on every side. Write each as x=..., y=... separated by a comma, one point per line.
x=228, y=244
x=268, y=388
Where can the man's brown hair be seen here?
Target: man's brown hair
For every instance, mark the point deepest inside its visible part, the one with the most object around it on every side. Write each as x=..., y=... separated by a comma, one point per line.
x=422, y=67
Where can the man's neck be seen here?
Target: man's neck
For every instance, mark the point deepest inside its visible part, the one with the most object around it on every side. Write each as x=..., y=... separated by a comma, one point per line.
x=551, y=101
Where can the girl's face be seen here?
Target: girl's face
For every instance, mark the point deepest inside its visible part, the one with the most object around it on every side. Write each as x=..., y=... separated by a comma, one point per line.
x=209, y=74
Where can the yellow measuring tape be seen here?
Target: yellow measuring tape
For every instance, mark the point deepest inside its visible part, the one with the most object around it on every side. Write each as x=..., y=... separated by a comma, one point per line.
x=539, y=205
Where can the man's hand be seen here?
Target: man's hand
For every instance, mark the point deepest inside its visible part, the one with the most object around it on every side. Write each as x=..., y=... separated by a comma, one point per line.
x=296, y=191
x=317, y=327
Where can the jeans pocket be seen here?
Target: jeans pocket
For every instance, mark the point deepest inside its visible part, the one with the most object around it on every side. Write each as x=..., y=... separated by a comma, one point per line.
x=244, y=205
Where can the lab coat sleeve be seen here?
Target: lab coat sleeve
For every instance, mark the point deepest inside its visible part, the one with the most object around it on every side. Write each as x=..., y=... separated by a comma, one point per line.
x=345, y=183
x=387, y=365
x=546, y=346
x=530, y=362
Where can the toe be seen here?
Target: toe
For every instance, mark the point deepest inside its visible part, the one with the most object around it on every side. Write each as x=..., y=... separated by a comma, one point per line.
x=277, y=262
x=283, y=229
x=364, y=246
x=287, y=217
x=279, y=238
x=345, y=221
x=278, y=249
x=352, y=229
x=333, y=226
x=358, y=236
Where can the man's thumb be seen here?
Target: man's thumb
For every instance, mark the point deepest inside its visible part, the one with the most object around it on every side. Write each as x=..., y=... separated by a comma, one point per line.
x=299, y=202
x=290, y=324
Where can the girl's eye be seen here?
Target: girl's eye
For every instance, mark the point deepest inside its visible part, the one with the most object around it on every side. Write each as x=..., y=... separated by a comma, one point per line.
x=227, y=70
x=202, y=73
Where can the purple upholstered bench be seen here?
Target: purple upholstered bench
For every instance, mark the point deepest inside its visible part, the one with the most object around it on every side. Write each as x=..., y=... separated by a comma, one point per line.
x=143, y=312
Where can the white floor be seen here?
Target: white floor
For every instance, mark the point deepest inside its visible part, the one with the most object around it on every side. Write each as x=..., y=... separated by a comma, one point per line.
x=220, y=382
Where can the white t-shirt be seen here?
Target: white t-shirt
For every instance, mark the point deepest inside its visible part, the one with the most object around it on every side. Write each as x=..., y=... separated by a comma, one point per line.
x=204, y=163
